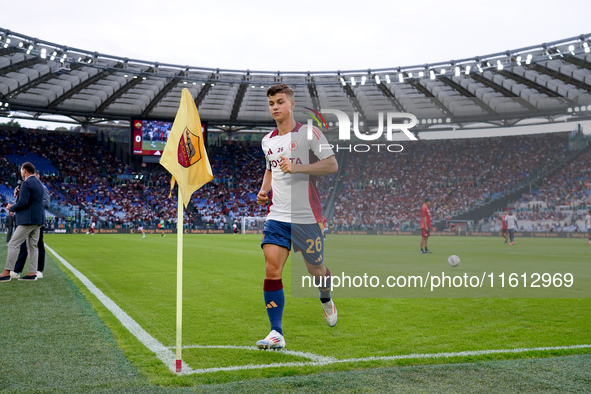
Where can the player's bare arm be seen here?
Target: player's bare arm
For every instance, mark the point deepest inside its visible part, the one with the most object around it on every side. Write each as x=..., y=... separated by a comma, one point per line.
x=327, y=166
x=262, y=198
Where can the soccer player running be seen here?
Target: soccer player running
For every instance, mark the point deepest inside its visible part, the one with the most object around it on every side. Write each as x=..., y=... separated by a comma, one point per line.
x=294, y=213
x=140, y=227
x=504, y=230
x=161, y=227
x=511, y=226
x=92, y=225
x=425, y=225
x=588, y=225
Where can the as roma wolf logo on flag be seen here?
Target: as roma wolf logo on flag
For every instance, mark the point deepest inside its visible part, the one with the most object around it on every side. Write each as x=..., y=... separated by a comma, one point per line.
x=189, y=149
x=184, y=155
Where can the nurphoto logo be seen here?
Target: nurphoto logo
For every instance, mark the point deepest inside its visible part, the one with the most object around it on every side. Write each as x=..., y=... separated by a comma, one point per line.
x=405, y=122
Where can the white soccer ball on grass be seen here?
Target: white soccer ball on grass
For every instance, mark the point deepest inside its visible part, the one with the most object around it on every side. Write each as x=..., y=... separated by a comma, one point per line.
x=453, y=260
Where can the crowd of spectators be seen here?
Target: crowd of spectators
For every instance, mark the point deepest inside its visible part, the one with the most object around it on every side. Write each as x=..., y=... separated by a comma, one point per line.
x=90, y=184
x=557, y=202
x=375, y=190
x=385, y=190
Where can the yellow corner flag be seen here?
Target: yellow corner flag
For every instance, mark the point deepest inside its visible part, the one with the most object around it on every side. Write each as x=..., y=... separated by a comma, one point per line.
x=184, y=155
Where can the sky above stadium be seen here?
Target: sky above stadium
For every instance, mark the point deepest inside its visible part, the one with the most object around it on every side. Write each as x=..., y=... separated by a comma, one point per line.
x=299, y=35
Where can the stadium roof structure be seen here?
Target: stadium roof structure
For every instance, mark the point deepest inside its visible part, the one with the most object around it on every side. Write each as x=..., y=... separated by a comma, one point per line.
x=547, y=83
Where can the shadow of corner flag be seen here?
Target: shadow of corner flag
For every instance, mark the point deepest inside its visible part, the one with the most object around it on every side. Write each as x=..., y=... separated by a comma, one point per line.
x=184, y=155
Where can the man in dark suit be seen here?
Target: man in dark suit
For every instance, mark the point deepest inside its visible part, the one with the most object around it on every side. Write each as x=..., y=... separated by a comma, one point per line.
x=24, y=252
x=30, y=216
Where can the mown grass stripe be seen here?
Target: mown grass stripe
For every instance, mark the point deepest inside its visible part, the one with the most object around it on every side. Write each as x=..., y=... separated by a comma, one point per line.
x=161, y=351
x=166, y=355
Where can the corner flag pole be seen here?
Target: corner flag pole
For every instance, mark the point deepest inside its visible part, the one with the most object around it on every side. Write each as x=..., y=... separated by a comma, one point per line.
x=185, y=157
x=179, y=282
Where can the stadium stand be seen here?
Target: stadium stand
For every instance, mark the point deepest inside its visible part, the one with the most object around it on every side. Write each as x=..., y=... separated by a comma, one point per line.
x=543, y=177
x=378, y=191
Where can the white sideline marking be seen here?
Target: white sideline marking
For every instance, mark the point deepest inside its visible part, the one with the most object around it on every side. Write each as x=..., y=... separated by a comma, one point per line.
x=162, y=352
x=168, y=357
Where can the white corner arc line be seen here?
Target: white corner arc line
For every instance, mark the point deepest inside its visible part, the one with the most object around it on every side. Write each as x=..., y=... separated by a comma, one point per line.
x=296, y=353
x=330, y=360
x=166, y=355
x=161, y=351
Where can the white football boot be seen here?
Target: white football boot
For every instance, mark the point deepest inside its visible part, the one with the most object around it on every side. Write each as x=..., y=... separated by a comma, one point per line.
x=330, y=313
x=273, y=341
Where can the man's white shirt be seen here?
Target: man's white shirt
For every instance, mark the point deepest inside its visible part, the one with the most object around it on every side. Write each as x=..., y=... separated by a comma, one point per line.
x=511, y=222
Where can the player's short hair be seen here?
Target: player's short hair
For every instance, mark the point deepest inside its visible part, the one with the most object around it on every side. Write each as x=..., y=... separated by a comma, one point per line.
x=29, y=167
x=426, y=200
x=280, y=88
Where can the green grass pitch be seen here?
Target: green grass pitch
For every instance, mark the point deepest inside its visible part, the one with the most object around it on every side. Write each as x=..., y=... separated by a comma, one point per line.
x=223, y=304
x=156, y=145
